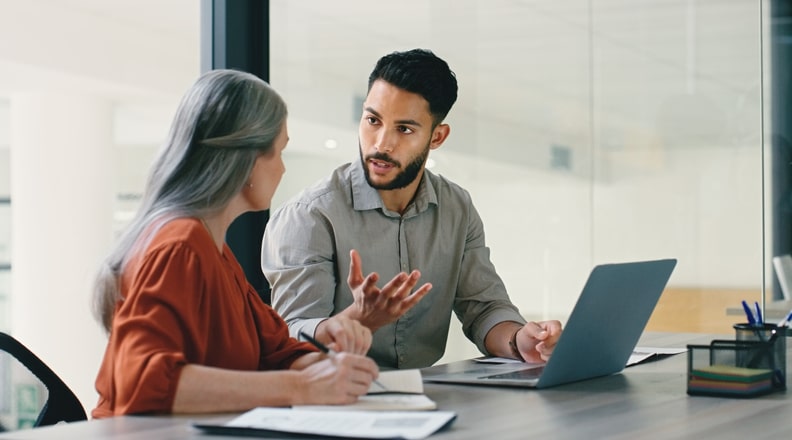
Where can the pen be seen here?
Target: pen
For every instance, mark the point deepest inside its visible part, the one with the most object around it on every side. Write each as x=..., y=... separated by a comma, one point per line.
x=784, y=322
x=748, y=313
x=324, y=349
x=759, y=320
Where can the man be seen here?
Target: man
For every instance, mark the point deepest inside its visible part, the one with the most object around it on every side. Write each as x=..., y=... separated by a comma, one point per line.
x=405, y=223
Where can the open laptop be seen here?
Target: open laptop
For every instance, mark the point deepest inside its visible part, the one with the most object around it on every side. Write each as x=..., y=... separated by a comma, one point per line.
x=598, y=338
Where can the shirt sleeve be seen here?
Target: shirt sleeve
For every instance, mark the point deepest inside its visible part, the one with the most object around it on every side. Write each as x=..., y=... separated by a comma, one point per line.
x=297, y=258
x=154, y=328
x=482, y=301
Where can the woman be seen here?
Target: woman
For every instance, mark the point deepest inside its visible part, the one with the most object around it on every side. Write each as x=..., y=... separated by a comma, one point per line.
x=187, y=333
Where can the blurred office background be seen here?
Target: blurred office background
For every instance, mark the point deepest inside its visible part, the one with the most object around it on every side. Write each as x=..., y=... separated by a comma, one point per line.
x=587, y=132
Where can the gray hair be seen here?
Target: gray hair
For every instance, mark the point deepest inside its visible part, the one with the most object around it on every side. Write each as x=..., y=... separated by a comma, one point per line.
x=224, y=122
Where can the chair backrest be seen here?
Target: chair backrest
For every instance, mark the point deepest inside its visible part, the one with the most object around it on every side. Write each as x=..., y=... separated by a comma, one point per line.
x=61, y=405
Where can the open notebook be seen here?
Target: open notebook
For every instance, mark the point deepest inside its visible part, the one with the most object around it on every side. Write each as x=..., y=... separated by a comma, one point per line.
x=403, y=392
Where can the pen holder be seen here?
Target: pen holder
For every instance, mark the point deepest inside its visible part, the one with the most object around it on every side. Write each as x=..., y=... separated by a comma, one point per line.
x=771, y=353
x=730, y=368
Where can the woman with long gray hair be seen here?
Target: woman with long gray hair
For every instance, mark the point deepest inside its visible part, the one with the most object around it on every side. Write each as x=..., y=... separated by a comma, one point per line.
x=187, y=332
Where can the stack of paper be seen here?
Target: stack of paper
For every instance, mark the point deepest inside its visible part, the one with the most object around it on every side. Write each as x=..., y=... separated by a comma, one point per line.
x=730, y=380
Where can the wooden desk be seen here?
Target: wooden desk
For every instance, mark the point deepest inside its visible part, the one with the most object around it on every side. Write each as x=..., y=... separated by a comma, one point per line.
x=644, y=401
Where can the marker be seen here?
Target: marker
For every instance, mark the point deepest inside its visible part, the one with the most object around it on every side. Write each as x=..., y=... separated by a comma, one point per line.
x=324, y=349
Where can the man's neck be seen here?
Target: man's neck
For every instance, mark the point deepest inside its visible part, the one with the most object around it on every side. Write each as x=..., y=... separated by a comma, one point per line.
x=397, y=200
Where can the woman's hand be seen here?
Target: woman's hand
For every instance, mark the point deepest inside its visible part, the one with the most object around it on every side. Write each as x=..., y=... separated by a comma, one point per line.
x=343, y=334
x=337, y=379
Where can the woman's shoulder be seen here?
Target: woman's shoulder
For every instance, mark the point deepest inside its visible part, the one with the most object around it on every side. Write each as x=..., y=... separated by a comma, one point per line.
x=182, y=229
x=178, y=246
x=186, y=234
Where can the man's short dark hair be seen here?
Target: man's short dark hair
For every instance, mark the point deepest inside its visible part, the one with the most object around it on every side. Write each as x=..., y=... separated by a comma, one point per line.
x=422, y=72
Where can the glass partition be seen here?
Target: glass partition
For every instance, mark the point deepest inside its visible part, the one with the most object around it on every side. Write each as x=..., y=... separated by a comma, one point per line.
x=587, y=132
x=677, y=127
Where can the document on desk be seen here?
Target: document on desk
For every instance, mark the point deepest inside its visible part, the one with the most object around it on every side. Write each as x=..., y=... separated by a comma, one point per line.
x=639, y=355
x=645, y=354
x=340, y=424
x=400, y=390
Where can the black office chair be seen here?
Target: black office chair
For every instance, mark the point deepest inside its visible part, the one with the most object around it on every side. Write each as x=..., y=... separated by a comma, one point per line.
x=61, y=404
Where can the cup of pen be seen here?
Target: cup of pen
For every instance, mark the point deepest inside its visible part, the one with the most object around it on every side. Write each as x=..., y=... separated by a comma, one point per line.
x=767, y=349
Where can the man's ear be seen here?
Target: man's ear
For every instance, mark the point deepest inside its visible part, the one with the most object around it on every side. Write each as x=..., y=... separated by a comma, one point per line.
x=439, y=135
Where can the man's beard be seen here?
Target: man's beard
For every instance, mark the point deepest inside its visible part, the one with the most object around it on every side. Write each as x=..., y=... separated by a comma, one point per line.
x=406, y=177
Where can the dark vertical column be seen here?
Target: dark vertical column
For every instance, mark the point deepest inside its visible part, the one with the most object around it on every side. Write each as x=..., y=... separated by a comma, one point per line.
x=781, y=123
x=235, y=35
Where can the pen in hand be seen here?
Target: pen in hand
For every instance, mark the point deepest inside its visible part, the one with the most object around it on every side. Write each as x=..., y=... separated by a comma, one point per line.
x=324, y=349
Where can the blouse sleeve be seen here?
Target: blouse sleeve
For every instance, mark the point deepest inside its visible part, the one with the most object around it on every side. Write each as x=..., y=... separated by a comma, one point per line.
x=278, y=349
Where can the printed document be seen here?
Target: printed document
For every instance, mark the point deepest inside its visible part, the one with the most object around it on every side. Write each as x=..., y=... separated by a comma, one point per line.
x=346, y=424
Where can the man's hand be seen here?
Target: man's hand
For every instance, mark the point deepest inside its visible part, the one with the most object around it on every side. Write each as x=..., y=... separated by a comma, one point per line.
x=536, y=340
x=375, y=307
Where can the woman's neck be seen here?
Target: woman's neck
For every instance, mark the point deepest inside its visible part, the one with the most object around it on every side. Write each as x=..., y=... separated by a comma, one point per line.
x=217, y=225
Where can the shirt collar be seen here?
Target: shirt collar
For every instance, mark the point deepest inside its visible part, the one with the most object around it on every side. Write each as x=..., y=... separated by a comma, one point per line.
x=364, y=197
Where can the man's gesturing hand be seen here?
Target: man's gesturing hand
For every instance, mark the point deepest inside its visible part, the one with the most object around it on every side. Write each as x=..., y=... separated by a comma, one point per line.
x=375, y=307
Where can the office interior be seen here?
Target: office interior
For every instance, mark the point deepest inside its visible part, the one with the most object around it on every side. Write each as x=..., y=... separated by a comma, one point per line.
x=586, y=131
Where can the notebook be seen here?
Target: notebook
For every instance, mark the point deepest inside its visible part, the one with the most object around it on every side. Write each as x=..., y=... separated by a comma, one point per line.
x=403, y=391
x=600, y=334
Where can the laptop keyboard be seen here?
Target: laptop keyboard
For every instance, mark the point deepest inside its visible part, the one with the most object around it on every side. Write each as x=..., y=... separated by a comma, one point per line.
x=528, y=373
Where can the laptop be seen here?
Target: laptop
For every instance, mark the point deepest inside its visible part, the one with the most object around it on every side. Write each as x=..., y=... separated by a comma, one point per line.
x=598, y=338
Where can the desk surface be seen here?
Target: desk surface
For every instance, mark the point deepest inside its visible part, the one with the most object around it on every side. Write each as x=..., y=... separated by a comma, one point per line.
x=644, y=401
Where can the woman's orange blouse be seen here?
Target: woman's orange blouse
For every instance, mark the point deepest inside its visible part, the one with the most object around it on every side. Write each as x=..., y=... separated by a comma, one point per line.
x=185, y=303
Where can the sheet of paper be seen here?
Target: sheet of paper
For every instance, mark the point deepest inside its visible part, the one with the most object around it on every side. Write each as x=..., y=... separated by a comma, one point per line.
x=380, y=402
x=347, y=424
x=643, y=354
x=639, y=354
